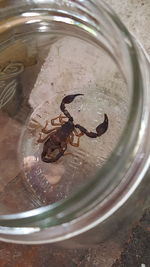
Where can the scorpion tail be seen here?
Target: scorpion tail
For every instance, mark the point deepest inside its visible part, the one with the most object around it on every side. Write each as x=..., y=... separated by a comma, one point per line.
x=67, y=100
x=100, y=129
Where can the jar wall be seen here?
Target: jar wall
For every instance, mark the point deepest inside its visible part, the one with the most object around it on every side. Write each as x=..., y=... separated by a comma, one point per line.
x=76, y=65
x=51, y=65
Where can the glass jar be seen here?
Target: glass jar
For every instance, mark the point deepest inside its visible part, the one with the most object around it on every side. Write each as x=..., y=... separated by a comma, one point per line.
x=83, y=47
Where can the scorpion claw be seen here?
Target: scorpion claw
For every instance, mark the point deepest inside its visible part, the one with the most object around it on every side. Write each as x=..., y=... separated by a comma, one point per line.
x=69, y=98
x=102, y=128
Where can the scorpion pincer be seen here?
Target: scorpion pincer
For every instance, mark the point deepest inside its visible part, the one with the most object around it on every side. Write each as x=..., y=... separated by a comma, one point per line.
x=56, y=140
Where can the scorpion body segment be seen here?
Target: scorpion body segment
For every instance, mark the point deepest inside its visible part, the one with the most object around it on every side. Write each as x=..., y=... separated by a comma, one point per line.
x=57, y=138
x=49, y=147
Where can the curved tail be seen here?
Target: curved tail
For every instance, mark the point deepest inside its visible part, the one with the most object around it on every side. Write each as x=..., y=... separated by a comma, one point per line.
x=100, y=129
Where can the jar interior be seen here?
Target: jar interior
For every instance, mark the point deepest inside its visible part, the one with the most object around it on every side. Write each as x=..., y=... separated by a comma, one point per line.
x=41, y=62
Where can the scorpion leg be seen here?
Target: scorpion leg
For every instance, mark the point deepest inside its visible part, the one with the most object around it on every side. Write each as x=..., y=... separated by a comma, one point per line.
x=45, y=131
x=72, y=139
x=41, y=140
x=51, y=130
x=100, y=129
x=67, y=100
x=60, y=117
x=78, y=134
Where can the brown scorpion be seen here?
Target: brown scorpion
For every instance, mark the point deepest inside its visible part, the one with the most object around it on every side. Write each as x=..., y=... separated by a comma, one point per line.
x=57, y=138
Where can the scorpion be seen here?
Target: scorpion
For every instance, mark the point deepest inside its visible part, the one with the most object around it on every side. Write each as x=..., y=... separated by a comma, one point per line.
x=64, y=132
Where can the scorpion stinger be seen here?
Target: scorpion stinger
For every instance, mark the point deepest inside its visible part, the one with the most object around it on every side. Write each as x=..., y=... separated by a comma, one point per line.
x=67, y=100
